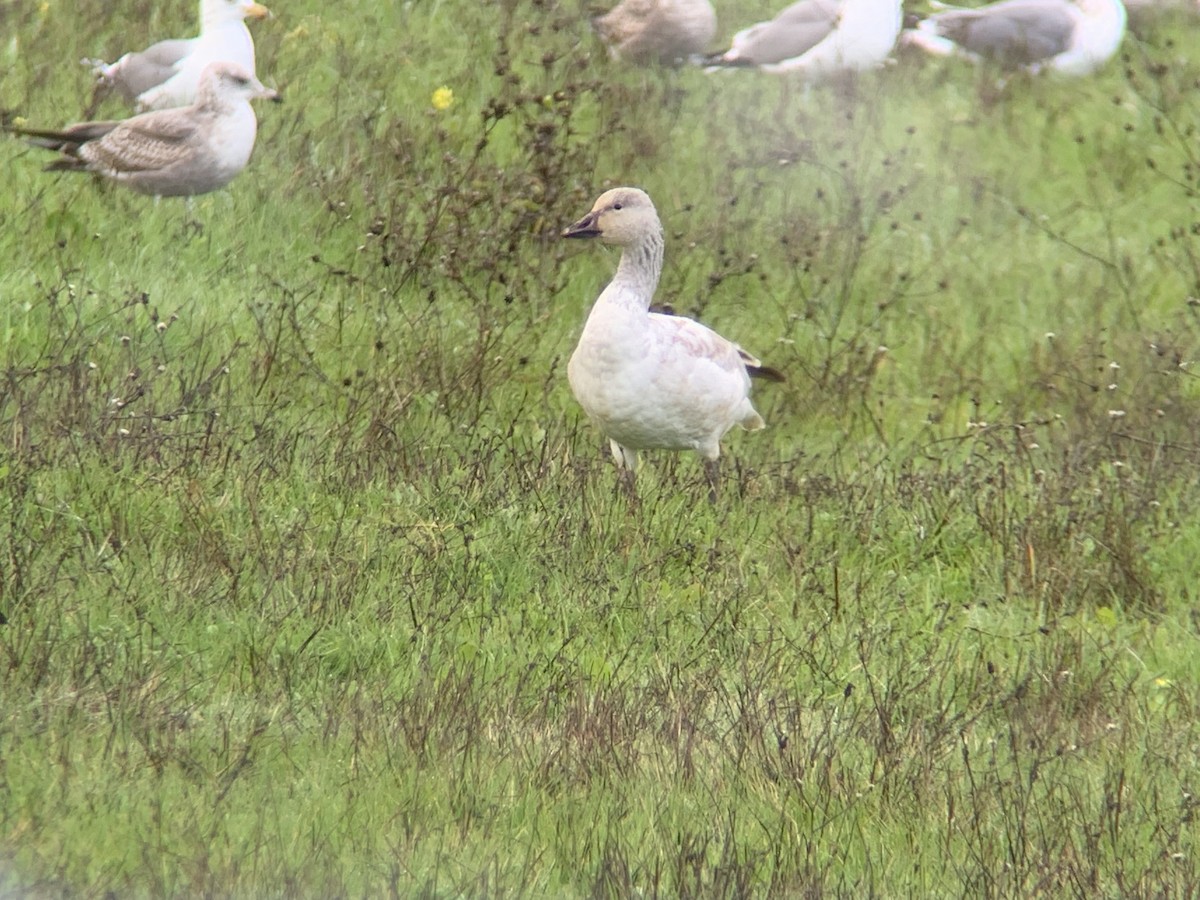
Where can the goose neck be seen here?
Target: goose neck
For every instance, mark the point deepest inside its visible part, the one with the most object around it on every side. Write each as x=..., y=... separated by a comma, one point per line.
x=640, y=268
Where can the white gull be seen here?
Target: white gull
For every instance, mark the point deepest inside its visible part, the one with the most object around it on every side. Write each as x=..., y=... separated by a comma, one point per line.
x=1073, y=37
x=167, y=74
x=818, y=38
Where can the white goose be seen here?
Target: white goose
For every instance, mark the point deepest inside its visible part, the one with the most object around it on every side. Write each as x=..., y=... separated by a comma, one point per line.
x=1073, y=37
x=657, y=31
x=167, y=74
x=653, y=381
x=819, y=38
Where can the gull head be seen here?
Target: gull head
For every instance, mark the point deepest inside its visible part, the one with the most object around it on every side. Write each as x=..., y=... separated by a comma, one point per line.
x=622, y=216
x=214, y=13
x=227, y=82
x=250, y=10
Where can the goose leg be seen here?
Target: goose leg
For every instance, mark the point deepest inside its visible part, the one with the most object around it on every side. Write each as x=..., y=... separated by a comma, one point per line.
x=712, y=474
x=626, y=467
x=625, y=479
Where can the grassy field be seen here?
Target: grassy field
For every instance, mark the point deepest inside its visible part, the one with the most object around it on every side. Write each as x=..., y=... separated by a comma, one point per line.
x=315, y=581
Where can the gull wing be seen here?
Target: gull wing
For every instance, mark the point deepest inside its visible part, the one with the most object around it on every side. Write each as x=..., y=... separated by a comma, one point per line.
x=1016, y=32
x=795, y=31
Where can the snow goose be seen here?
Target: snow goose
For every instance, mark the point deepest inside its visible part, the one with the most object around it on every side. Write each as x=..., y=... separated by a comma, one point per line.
x=818, y=38
x=167, y=74
x=657, y=31
x=1074, y=37
x=653, y=381
x=168, y=152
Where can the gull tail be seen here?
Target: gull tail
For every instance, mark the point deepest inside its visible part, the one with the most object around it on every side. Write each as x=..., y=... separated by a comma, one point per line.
x=63, y=140
x=718, y=61
x=928, y=37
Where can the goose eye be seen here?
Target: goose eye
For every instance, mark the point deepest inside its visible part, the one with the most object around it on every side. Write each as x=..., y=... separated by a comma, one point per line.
x=616, y=206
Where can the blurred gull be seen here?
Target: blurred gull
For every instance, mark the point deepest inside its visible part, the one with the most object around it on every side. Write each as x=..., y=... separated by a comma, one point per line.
x=653, y=381
x=818, y=38
x=1074, y=37
x=170, y=152
x=657, y=31
x=1150, y=6
x=167, y=74
x=1146, y=13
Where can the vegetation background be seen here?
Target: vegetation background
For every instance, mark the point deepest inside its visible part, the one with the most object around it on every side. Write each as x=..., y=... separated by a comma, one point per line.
x=315, y=582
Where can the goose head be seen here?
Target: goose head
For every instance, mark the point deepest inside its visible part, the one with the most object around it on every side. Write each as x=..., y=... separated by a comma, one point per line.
x=623, y=216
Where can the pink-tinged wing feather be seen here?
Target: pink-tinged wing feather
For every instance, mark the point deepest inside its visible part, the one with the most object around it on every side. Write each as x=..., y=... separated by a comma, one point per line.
x=697, y=341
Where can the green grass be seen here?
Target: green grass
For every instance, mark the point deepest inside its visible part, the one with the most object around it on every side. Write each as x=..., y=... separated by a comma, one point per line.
x=316, y=582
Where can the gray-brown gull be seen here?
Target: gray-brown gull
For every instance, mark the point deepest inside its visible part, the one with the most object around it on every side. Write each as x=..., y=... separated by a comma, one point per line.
x=169, y=152
x=657, y=31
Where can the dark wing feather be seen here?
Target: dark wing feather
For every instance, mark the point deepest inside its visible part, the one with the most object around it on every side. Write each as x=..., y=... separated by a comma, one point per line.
x=65, y=140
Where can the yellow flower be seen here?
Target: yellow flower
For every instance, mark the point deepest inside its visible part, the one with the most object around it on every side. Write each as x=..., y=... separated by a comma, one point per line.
x=443, y=98
x=1162, y=682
